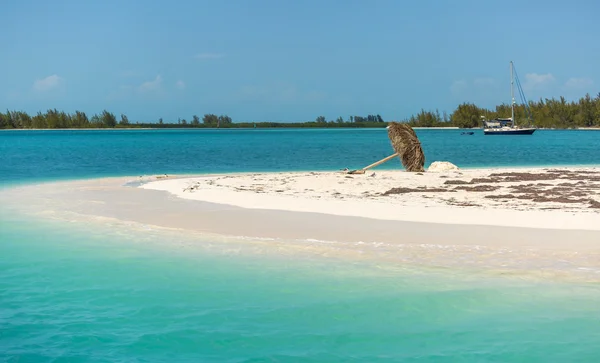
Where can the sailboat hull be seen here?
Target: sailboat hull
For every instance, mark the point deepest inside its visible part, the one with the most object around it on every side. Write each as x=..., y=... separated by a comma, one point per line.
x=509, y=132
x=507, y=126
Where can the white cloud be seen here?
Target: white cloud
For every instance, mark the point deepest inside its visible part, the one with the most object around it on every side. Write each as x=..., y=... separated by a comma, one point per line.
x=209, y=56
x=153, y=85
x=579, y=83
x=180, y=84
x=538, y=81
x=47, y=84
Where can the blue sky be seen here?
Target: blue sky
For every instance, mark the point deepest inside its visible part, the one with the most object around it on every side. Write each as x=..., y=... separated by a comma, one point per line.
x=268, y=60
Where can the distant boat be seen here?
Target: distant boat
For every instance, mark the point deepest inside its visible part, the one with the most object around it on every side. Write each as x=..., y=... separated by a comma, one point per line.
x=508, y=126
x=467, y=133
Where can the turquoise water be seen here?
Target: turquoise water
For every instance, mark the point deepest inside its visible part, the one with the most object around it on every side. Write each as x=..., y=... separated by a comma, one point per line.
x=103, y=295
x=59, y=154
x=84, y=292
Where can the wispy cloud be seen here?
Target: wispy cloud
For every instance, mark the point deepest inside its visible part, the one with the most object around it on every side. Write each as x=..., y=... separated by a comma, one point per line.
x=579, y=83
x=180, y=84
x=153, y=85
x=47, y=84
x=535, y=81
x=202, y=56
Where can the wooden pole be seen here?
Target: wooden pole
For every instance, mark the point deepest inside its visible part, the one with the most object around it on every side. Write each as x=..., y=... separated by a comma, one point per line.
x=362, y=171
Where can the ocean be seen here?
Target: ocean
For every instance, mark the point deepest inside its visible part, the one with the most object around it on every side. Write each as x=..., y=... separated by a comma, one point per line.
x=64, y=154
x=114, y=292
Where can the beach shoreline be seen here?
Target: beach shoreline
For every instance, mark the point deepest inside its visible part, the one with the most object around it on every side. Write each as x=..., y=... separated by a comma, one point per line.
x=412, y=227
x=563, y=198
x=546, y=198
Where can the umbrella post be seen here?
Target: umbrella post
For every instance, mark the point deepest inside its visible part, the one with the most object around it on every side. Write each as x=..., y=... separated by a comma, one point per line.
x=362, y=171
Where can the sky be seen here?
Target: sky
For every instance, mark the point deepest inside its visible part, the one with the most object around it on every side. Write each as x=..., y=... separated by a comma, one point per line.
x=290, y=61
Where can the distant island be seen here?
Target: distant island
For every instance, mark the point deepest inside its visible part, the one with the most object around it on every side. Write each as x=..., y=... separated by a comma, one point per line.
x=546, y=113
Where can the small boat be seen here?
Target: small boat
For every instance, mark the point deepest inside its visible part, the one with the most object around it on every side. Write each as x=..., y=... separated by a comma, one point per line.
x=508, y=126
x=505, y=126
x=467, y=133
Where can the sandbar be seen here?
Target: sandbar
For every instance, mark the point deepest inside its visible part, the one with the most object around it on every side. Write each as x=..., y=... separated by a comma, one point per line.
x=542, y=219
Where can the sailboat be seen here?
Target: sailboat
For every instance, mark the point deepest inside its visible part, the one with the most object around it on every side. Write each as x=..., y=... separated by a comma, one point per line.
x=508, y=126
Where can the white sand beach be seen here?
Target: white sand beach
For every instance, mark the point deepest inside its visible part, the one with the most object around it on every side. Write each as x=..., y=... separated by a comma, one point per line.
x=538, y=219
x=534, y=198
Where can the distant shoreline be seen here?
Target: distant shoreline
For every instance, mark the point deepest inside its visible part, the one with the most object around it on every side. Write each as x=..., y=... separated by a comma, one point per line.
x=283, y=128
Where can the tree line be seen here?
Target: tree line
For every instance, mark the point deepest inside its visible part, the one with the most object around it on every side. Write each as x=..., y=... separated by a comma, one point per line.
x=351, y=119
x=54, y=119
x=545, y=113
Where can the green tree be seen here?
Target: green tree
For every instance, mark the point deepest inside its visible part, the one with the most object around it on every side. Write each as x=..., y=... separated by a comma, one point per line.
x=64, y=120
x=39, y=121
x=4, y=124
x=195, y=120
x=108, y=119
x=467, y=115
x=210, y=119
x=19, y=120
x=597, y=112
x=224, y=121
x=124, y=120
x=96, y=121
x=426, y=119
x=80, y=119
x=585, y=116
x=52, y=119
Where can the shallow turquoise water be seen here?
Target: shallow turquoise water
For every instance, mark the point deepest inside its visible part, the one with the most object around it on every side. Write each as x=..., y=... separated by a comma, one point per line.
x=100, y=294
x=83, y=292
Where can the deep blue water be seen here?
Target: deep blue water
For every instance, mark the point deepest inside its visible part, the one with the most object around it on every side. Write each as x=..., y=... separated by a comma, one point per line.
x=90, y=292
x=59, y=154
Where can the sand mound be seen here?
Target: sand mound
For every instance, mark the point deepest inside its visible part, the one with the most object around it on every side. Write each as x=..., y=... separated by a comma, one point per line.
x=438, y=166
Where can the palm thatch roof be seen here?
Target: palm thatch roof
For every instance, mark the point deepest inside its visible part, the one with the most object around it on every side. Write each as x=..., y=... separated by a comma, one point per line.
x=406, y=143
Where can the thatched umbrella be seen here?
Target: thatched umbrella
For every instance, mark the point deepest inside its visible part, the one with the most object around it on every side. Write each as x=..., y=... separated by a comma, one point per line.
x=407, y=146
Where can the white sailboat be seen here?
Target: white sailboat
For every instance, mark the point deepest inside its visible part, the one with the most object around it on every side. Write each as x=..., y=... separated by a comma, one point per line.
x=508, y=126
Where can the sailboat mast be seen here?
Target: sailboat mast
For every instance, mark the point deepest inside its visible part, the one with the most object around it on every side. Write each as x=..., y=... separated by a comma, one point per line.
x=512, y=95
